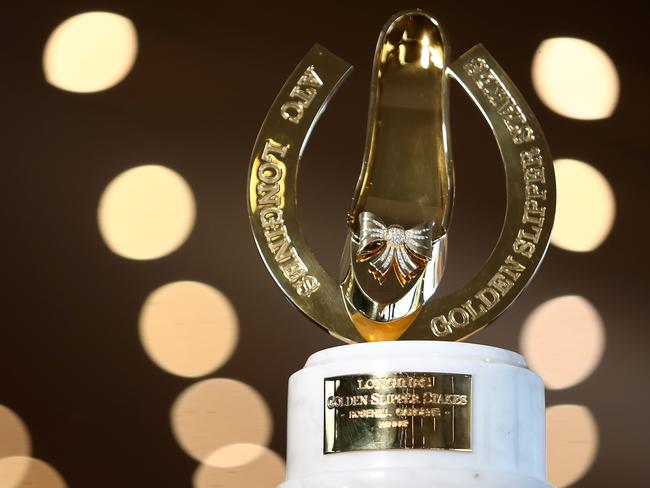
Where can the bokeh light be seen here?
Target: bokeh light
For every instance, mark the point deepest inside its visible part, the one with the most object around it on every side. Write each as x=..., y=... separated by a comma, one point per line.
x=188, y=328
x=575, y=78
x=586, y=207
x=146, y=212
x=572, y=443
x=563, y=340
x=214, y=413
x=22, y=471
x=235, y=455
x=267, y=470
x=14, y=436
x=90, y=52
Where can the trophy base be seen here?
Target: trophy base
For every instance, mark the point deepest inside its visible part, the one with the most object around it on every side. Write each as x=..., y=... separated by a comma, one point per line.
x=416, y=413
x=416, y=478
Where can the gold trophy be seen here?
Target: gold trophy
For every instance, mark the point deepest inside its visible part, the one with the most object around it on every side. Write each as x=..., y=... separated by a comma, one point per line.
x=405, y=404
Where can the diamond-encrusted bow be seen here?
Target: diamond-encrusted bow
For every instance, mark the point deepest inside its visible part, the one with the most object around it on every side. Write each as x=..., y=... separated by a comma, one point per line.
x=405, y=250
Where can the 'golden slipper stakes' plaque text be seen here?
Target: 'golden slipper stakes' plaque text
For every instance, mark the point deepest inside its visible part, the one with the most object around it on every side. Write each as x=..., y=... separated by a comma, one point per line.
x=398, y=411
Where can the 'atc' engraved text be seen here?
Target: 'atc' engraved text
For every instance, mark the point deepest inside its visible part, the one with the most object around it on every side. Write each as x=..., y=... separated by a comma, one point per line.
x=301, y=96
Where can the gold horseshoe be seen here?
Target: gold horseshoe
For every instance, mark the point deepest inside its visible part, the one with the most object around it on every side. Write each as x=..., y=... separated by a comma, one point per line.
x=524, y=238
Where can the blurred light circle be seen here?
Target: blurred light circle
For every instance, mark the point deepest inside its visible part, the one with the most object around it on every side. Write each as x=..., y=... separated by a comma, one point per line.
x=146, y=212
x=267, y=470
x=188, y=328
x=214, y=413
x=572, y=443
x=575, y=78
x=563, y=340
x=22, y=471
x=586, y=207
x=14, y=436
x=235, y=455
x=90, y=52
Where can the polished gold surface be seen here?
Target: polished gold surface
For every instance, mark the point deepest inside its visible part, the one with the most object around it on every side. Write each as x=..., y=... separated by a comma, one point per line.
x=406, y=177
x=272, y=200
x=398, y=411
x=405, y=184
x=530, y=205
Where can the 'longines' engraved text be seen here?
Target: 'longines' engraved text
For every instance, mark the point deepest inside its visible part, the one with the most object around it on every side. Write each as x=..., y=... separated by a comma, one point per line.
x=385, y=382
x=497, y=95
x=435, y=407
x=301, y=96
x=270, y=200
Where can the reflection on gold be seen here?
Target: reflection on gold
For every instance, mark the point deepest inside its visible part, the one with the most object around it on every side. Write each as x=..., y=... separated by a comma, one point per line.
x=22, y=471
x=425, y=57
x=14, y=436
x=373, y=331
x=188, y=328
x=146, y=212
x=430, y=54
x=214, y=413
x=586, y=207
x=575, y=78
x=90, y=52
x=235, y=455
x=563, y=340
x=401, y=53
x=265, y=471
x=572, y=443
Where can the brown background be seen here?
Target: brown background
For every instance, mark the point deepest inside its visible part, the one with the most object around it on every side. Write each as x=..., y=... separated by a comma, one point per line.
x=71, y=363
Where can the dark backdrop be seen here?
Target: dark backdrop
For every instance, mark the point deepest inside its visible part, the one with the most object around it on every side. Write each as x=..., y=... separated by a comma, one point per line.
x=71, y=363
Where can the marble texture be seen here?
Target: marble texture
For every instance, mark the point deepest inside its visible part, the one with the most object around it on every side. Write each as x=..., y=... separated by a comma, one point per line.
x=508, y=421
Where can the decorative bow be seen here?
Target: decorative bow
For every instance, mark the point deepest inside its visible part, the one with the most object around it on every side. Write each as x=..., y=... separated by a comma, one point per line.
x=407, y=251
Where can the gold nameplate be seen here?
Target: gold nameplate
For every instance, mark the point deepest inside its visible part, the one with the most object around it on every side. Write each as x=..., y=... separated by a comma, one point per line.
x=398, y=411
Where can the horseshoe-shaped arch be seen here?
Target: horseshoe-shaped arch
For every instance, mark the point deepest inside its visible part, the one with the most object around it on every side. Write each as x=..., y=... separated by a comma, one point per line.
x=525, y=235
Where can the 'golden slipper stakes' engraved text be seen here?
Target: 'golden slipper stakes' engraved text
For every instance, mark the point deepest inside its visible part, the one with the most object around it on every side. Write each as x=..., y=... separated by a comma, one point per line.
x=270, y=189
x=398, y=411
x=533, y=212
x=498, y=96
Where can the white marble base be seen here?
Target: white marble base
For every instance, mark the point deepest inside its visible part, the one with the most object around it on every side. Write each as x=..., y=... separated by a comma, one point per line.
x=508, y=421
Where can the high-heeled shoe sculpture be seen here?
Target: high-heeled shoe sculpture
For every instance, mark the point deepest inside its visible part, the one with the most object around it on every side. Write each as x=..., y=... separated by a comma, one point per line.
x=402, y=205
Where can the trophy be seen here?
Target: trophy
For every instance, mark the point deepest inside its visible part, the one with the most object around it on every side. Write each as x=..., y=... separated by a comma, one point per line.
x=404, y=403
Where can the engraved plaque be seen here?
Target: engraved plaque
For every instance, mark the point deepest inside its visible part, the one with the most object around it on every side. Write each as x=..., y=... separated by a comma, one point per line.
x=398, y=411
